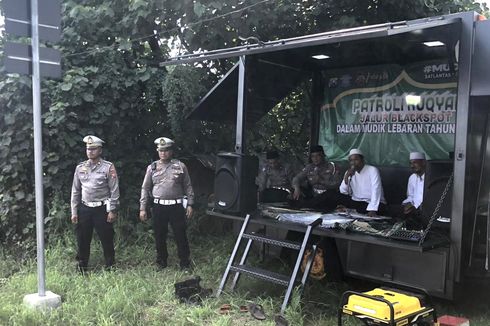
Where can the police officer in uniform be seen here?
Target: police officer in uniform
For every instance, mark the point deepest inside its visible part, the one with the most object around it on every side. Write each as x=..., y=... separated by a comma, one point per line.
x=165, y=184
x=321, y=176
x=323, y=179
x=94, y=201
x=274, y=179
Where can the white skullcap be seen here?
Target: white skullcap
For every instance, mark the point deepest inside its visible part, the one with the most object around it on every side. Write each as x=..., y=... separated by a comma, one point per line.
x=417, y=156
x=355, y=151
x=93, y=141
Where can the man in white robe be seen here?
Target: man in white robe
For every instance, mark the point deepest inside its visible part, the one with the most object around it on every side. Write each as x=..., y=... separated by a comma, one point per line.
x=362, y=186
x=412, y=205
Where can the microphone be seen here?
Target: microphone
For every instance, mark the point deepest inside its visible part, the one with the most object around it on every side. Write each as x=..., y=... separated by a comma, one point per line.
x=349, y=179
x=352, y=170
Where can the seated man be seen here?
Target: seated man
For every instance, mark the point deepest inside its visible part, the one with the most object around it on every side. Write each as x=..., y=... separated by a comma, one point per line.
x=274, y=179
x=412, y=205
x=323, y=179
x=362, y=185
x=320, y=175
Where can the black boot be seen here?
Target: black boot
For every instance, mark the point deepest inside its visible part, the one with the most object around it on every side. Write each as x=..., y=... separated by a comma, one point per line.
x=161, y=264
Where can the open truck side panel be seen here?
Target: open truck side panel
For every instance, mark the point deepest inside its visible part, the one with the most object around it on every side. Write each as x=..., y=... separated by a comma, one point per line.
x=267, y=72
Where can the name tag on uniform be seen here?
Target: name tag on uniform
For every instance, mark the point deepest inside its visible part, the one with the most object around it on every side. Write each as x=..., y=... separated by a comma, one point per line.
x=178, y=168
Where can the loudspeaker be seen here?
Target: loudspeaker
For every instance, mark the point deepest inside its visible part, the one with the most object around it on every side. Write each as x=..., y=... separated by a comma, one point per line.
x=234, y=183
x=437, y=174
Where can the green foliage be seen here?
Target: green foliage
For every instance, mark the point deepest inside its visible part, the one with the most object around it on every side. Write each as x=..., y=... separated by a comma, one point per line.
x=181, y=91
x=114, y=87
x=16, y=162
x=56, y=221
x=286, y=127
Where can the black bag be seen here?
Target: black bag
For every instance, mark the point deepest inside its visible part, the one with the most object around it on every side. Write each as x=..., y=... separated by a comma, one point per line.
x=190, y=291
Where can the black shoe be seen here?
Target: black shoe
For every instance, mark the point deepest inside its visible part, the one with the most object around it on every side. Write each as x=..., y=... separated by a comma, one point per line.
x=185, y=267
x=161, y=265
x=110, y=268
x=109, y=262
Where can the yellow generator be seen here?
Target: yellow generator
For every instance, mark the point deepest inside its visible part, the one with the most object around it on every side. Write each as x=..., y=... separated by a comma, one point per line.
x=385, y=306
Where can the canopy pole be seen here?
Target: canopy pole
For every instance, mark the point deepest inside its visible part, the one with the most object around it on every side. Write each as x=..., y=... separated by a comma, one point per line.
x=317, y=101
x=240, y=107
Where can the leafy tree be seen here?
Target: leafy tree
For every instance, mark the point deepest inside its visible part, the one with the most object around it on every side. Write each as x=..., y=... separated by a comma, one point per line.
x=116, y=94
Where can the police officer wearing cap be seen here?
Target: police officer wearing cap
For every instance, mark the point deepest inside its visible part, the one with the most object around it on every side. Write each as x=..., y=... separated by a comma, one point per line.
x=94, y=201
x=165, y=184
x=274, y=179
x=322, y=176
x=415, y=188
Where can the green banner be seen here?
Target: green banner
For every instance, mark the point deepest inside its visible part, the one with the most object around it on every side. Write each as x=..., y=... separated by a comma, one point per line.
x=389, y=111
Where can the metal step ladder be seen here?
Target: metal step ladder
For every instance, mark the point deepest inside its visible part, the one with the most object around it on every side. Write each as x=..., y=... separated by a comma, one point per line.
x=287, y=281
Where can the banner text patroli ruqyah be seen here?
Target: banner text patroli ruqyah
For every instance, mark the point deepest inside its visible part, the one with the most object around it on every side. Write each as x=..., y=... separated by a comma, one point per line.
x=389, y=111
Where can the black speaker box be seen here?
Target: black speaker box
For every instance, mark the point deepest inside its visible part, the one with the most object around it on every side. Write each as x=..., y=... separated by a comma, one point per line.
x=437, y=174
x=234, y=183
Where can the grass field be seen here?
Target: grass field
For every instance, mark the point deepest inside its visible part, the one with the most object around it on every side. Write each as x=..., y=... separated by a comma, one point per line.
x=136, y=293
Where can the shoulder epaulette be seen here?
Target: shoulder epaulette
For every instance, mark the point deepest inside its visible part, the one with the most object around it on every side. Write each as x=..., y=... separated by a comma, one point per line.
x=154, y=165
x=106, y=162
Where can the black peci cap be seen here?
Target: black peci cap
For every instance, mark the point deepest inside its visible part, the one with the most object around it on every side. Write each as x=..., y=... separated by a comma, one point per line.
x=317, y=149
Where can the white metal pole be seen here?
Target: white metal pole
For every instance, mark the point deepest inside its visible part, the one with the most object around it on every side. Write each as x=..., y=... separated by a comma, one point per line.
x=240, y=107
x=38, y=168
